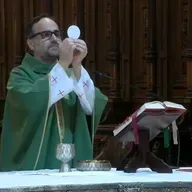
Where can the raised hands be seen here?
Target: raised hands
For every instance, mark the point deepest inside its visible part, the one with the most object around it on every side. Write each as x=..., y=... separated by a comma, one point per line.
x=72, y=52
x=67, y=48
x=80, y=52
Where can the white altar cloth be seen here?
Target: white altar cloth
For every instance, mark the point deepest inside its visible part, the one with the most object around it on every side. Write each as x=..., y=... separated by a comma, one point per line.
x=54, y=178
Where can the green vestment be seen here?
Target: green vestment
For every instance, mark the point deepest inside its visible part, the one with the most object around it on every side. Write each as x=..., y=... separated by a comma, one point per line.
x=26, y=109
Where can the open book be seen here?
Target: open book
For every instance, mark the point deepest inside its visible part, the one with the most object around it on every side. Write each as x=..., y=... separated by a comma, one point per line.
x=154, y=116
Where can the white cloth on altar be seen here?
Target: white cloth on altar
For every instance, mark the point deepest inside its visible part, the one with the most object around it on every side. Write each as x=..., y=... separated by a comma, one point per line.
x=61, y=85
x=54, y=178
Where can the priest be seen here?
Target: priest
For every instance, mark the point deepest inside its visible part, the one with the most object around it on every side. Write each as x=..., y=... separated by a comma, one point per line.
x=43, y=95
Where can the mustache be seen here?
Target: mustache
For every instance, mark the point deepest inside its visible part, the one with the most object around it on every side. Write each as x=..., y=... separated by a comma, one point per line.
x=54, y=44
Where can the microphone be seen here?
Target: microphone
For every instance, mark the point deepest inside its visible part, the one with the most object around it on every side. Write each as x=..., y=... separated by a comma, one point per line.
x=104, y=75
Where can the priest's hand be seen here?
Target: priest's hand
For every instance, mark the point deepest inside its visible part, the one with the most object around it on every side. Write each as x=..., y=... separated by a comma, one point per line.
x=67, y=48
x=80, y=53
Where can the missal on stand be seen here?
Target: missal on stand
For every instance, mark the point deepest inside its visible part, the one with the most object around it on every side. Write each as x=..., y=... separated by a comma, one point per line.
x=143, y=126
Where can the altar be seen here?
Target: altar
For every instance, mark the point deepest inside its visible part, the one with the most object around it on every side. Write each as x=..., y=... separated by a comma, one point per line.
x=111, y=181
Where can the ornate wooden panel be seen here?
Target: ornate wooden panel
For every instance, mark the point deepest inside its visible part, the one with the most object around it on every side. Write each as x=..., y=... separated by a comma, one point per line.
x=125, y=44
x=187, y=43
x=161, y=42
x=140, y=70
x=140, y=43
x=2, y=51
x=173, y=51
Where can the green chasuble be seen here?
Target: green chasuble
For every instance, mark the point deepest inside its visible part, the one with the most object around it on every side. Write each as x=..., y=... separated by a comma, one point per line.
x=27, y=119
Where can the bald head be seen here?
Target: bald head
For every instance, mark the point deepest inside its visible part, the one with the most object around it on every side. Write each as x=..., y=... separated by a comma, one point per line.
x=44, y=24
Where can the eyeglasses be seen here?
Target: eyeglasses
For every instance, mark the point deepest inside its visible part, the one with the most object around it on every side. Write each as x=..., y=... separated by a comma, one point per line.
x=46, y=35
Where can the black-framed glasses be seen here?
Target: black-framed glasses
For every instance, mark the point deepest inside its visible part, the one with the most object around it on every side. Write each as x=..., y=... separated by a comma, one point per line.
x=46, y=35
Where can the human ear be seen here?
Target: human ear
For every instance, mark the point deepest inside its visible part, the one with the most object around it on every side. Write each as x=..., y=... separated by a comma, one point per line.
x=30, y=44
